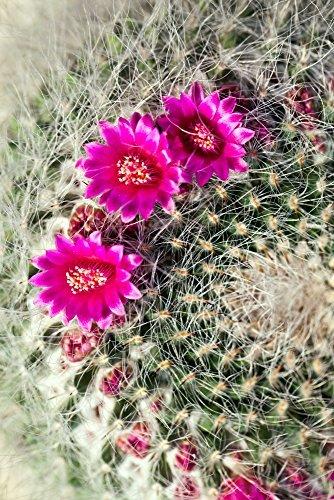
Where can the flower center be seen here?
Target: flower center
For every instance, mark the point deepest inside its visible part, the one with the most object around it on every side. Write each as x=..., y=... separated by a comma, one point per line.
x=203, y=138
x=83, y=279
x=133, y=170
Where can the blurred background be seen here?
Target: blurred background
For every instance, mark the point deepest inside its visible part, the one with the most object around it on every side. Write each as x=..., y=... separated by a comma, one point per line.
x=35, y=34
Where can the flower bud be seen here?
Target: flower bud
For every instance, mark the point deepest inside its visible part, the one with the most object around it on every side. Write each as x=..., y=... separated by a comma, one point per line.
x=135, y=442
x=116, y=379
x=77, y=344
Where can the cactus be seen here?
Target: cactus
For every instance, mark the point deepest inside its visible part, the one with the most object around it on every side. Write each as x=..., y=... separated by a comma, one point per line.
x=220, y=378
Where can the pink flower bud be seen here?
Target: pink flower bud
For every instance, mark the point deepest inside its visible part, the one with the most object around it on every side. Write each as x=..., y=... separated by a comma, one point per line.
x=319, y=143
x=186, y=456
x=77, y=344
x=136, y=442
x=302, y=100
x=157, y=404
x=187, y=489
x=300, y=481
x=85, y=220
x=244, y=102
x=241, y=488
x=116, y=379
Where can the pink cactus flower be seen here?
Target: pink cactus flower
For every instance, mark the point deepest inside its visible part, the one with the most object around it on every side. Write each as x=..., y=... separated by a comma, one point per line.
x=187, y=489
x=241, y=488
x=76, y=344
x=135, y=442
x=116, y=379
x=84, y=279
x=133, y=170
x=204, y=134
x=186, y=456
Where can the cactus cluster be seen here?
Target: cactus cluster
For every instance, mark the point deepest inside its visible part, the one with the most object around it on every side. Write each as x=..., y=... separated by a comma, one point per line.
x=218, y=382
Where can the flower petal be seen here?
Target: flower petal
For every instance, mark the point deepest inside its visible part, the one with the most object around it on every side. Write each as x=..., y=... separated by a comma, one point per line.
x=145, y=205
x=233, y=150
x=126, y=132
x=131, y=261
x=197, y=93
x=209, y=106
x=195, y=163
x=169, y=186
x=96, y=187
x=166, y=201
x=116, y=253
x=114, y=302
x=152, y=141
x=94, y=307
x=56, y=257
x=239, y=165
x=57, y=307
x=97, y=151
x=130, y=291
x=129, y=212
x=187, y=105
x=44, y=279
x=85, y=321
x=96, y=237
x=242, y=135
x=109, y=132
x=221, y=168
x=123, y=275
x=135, y=119
x=204, y=175
x=227, y=105
x=144, y=127
x=64, y=244
x=105, y=323
x=41, y=262
x=171, y=104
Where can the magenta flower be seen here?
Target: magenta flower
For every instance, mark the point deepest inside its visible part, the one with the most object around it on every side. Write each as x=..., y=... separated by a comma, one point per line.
x=204, y=134
x=116, y=379
x=186, y=456
x=133, y=170
x=241, y=488
x=135, y=442
x=77, y=344
x=83, y=278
